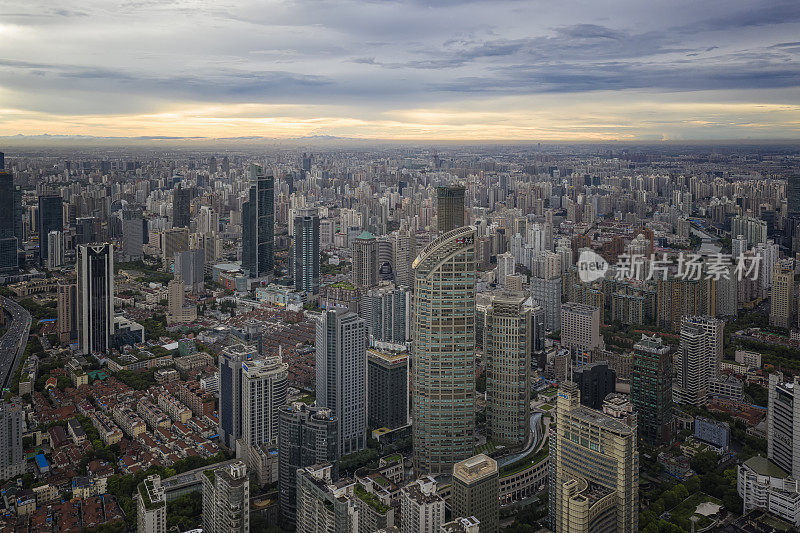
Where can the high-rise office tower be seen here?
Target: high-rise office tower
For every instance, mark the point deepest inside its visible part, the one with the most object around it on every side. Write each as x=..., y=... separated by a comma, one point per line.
x=547, y=293
x=365, y=261
x=151, y=506
x=508, y=345
x=594, y=476
x=181, y=207
x=51, y=217
x=264, y=387
x=2, y=161
x=387, y=389
x=67, y=312
x=87, y=230
x=783, y=423
x=405, y=251
x=782, y=294
x=189, y=264
x=443, y=396
x=308, y=436
x=793, y=195
x=12, y=455
x=230, y=391
x=323, y=505
x=595, y=381
x=505, y=267
x=207, y=220
x=698, y=360
x=449, y=208
x=651, y=389
x=306, y=251
x=173, y=240
x=226, y=499
x=421, y=508
x=341, y=375
x=95, y=264
x=387, y=311
x=11, y=230
x=132, y=234
x=580, y=326
x=55, y=247
x=258, y=224
x=476, y=487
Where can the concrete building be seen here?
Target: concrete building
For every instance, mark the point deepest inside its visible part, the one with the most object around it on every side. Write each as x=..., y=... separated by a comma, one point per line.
x=230, y=364
x=265, y=384
x=132, y=235
x=324, y=505
x=308, y=436
x=449, y=208
x=387, y=312
x=443, y=380
x=712, y=432
x=12, y=458
x=305, y=251
x=226, y=499
x=651, y=389
x=547, y=293
x=173, y=240
x=67, y=313
x=476, y=487
x=782, y=298
x=580, y=327
x=508, y=347
x=422, y=509
x=764, y=485
x=189, y=265
x=387, y=389
x=594, y=479
x=55, y=247
x=783, y=424
x=95, y=297
x=365, y=261
x=151, y=506
x=505, y=267
x=341, y=362
x=698, y=359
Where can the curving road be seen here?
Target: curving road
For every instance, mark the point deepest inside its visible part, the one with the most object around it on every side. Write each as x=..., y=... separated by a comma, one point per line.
x=533, y=441
x=13, y=343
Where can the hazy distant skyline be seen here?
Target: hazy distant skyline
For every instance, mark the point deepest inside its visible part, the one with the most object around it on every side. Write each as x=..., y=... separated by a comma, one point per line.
x=447, y=70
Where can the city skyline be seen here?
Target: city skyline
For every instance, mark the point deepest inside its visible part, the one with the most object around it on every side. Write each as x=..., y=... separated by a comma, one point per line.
x=406, y=71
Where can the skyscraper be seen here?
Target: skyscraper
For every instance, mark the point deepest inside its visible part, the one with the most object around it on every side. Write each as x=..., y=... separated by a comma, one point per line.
x=264, y=388
x=189, y=265
x=95, y=264
x=405, y=251
x=67, y=312
x=580, y=327
x=422, y=509
x=594, y=481
x=12, y=455
x=793, y=195
x=547, y=293
x=387, y=389
x=449, y=208
x=782, y=294
x=230, y=391
x=132, y=234
x=226, y=499
x=508, y=345
x=11, y=233
x=443, y=397
x=55, y=247
x=476, y=487
x=181, y=207
x=306, y=251
x=323, y=505
x=258, y=224
x=308, y=436
x=365, y=260
x=698, y=360
x=341, y=375
x=783, y=423
x=651, y=389
x=595, y=381
x=50, y=218
x=151, y=506
x=387, y=311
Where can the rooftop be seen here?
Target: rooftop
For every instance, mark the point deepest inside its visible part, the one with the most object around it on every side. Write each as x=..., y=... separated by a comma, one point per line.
x=764, y=467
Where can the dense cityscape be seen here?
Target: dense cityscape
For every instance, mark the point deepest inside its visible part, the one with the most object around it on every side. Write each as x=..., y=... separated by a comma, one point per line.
x=400, y=338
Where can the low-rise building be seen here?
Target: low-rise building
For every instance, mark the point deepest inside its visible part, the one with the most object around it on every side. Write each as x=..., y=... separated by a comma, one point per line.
x=764, y=485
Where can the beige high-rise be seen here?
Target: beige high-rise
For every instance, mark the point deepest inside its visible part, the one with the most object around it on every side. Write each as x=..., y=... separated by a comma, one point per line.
x=594, y=484
x=443, y=377
x=782, y=295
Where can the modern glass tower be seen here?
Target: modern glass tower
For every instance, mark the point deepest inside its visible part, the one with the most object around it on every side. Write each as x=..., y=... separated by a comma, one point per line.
x=450, y=208
x=181, y=207
x=95, y=297
x=10, y=221
x=306, y=251
x=443, y=377
x=651, y=389
x=258, y=224
x=51, y=218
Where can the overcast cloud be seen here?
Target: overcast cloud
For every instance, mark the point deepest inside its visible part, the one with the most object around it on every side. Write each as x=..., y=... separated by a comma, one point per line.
x=402, y=69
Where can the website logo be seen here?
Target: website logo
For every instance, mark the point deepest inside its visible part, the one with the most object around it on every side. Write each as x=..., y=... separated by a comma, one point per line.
x=591, y=266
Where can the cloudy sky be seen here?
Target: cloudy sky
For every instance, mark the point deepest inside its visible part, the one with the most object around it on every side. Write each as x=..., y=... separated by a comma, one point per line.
x=451, y=69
